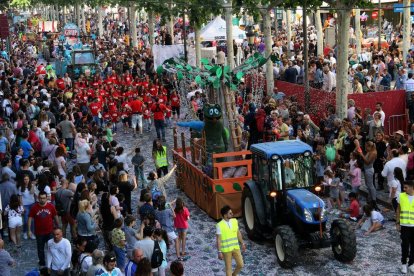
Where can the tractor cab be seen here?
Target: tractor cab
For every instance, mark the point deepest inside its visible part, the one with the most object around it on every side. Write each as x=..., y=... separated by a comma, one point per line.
x=281, y=200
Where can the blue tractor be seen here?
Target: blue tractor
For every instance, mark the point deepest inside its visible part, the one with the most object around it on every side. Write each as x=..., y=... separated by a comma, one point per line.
x=280, y=202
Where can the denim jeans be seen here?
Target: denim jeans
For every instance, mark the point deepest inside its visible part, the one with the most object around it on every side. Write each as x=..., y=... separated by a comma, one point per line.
x=41, y=241
x=69, y=143
x=26, y=218
x=139, y=174
x=97, y=120
x=160, y=128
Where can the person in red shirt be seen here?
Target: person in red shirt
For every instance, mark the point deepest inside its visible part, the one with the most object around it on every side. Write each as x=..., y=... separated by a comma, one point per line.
x=42, y=213
x=60, y=83
x=136, y=120
x=175, y=104
x=353, y=211
x=158, y=109
x=168, y=115
x=126, y=117
x=95, y=108
x=147, y=118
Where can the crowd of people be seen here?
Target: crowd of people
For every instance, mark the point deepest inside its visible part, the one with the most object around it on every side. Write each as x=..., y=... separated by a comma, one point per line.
x=67, y=183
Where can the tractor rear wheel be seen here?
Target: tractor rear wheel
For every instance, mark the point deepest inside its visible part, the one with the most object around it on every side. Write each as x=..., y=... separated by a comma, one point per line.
x=286, y=246
x=250, y=218
x=343, y=241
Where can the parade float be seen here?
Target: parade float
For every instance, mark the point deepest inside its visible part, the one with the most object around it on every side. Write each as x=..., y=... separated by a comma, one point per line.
x=212, y=161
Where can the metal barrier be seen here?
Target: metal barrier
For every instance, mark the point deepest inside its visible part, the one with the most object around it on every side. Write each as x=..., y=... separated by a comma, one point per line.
x=397, y=122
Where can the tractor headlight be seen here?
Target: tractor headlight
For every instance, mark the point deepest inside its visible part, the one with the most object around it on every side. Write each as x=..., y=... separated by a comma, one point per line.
x=275, y=157
x=307, y=153
x=322, y=215
x=308, y=215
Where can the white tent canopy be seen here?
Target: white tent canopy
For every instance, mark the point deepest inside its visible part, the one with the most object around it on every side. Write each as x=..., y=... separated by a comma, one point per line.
x=216, y=30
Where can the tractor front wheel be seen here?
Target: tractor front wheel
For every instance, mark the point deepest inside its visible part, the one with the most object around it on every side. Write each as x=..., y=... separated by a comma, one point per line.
x=286, y=246
x=250, y=218
x=343, y=241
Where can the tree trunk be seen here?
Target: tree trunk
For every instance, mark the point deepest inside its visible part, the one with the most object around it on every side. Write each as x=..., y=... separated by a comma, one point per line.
x=170, y=29
x=133, y=23
x=77, y=11
x=83, y=19
x=100, y=23
x=344, y=19
x=267, y=32
x=358, y=30
x=288, y=30
x=197, y=46
x=319, y=33
x=407, y=29
x=229, y=35
x=151, y=27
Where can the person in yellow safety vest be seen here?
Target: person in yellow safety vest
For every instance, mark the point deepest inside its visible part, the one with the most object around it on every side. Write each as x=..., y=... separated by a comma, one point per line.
x=405, y=224
x=228, y=239
x=159, y=155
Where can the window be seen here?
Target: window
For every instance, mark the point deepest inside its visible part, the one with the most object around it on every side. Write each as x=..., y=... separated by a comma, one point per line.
x=297, y=172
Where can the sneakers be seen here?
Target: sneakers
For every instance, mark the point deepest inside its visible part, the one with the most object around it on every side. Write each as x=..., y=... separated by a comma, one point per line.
x=404, y=269
x=25, y=236
x=33, y=237
x=411, y=268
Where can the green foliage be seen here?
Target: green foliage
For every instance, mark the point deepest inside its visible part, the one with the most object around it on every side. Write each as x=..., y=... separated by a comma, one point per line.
x=20, y=4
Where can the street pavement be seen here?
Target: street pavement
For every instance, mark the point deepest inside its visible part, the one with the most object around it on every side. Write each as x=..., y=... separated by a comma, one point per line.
x=378, y=253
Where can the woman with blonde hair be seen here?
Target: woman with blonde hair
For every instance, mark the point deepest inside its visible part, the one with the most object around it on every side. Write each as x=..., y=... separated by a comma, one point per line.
x=126, y=186
x=86, y=223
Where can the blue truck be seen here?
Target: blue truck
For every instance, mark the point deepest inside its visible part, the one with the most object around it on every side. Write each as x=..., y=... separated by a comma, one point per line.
x=281, y=202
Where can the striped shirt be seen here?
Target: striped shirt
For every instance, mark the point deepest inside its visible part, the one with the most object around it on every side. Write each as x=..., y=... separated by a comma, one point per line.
x=130, y=268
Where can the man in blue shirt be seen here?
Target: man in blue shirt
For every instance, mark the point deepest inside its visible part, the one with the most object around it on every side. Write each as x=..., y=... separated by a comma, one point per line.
x=137, y=254
x=401, y=79
x=26, y=146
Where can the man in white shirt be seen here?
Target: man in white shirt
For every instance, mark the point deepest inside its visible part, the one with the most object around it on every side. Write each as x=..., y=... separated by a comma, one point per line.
x=378, y=109
x=389, y=167
x=59, y=254
x=409, y=83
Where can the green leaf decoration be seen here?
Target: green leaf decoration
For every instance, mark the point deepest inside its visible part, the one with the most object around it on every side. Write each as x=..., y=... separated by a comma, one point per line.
x=274, y=58
x=179, y=75
x=226, y=69
x=237, y=187
x=189, y=68
x=211, y=79
x=198, y=79
x=239, y=75
x=219, y=72
x=262, y=61
x=160, y=69
x=216, y=83
x=179, y=66
x=233, y=87
x=204, y=61
x=208, y=67
x=256, y=55
x=219, y=189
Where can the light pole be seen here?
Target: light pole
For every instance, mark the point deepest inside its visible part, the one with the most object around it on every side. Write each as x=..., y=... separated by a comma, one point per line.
x=379, y=25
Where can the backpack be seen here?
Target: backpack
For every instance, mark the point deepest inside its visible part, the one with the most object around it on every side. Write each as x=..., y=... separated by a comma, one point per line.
x=59, y=205
x=157, y=256
x=260, y=117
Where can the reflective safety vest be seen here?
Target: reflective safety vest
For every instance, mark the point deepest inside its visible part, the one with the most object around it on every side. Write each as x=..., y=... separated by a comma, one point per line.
x=229, y=240
x=161, y=158
x=406, y=210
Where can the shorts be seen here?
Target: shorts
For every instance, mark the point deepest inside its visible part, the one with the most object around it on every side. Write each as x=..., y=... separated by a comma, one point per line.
x=136, y=120
x=181, y=230
x=15, y=222
x=68, y=219
x=172, y=236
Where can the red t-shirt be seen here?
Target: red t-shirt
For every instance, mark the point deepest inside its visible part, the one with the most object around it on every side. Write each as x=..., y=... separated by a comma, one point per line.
x=95, y=108
x=181, y=219
x=60, y=84
x=115, y=116
x=175, y=100
x=158, y=110
x=136, y=106
x=43, y=218
x=354, y=207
